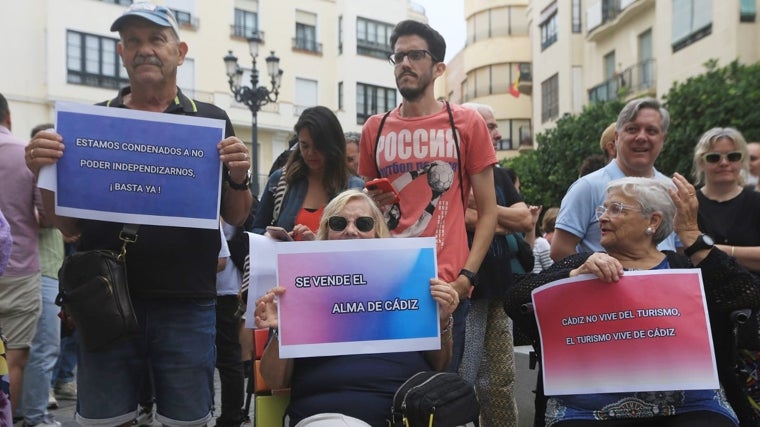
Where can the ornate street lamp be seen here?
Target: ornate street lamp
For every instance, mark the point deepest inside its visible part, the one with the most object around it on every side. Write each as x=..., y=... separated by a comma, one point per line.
x=254, y=96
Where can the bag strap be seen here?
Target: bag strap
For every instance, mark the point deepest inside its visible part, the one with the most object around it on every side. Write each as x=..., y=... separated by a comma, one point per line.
x=127, y=235
x=459, y=158
x=279, y=196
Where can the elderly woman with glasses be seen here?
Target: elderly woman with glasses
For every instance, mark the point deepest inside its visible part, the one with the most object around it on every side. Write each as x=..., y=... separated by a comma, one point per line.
x=357, y=390
x=637, y=214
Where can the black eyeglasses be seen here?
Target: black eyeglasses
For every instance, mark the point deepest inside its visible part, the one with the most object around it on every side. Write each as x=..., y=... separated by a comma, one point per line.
x=733, y=157
x=414, y=55
x=363, y=223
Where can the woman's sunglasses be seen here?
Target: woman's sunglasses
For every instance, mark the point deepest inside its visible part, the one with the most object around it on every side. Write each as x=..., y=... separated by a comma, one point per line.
x=733, y=157
x=363, y=223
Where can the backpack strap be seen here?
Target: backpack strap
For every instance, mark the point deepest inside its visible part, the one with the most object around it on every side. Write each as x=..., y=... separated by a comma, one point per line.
x=377, y=141
x=279, y=195
x=459, y=158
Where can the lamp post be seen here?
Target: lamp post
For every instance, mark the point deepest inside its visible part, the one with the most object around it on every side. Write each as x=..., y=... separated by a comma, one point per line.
x=254, y=96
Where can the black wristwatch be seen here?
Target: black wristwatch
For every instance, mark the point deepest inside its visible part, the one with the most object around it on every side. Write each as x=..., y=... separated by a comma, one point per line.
x=242, y=186
x=472, y=277
x=703, y=242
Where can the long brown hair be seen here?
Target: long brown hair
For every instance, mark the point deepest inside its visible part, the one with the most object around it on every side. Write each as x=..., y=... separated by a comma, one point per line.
x=327, y=135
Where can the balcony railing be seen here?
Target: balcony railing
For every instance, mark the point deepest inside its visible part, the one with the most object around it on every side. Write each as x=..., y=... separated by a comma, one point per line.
x=605, y=11
x=307, y=45
x=634, y=79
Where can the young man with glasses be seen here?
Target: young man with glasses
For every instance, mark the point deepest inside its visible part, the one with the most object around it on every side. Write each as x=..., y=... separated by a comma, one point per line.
x=433, y=153
x=640, y=132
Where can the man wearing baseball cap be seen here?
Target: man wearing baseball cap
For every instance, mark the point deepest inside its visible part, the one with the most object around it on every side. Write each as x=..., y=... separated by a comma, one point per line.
x=171, y=270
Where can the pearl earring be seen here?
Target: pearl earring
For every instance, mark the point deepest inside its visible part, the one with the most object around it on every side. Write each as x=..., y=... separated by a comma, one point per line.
x=649, y=231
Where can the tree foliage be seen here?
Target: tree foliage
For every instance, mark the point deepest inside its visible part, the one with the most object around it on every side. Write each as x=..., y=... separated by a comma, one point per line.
x=721, y=97
x=547, y=172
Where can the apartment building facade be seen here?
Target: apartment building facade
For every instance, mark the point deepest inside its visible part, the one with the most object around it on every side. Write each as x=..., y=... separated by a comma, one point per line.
x=497, y=50
x=332, y=53
x=587, y=51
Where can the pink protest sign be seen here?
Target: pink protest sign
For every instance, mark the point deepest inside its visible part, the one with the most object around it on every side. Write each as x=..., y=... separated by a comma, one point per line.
x=649, y=331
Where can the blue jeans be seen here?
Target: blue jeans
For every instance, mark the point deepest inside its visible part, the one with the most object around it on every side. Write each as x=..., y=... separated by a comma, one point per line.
x=67, y=360
x=42, y=356
x=176, y=342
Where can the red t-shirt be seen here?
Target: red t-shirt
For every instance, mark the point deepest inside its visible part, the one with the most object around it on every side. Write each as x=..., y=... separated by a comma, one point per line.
x=418, y=155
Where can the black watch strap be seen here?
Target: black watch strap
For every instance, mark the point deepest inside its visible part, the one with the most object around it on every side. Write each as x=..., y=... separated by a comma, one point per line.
x=472, y=277
x=243, y=185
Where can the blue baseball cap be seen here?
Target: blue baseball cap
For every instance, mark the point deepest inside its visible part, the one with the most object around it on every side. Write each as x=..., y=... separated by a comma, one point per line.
x=159, y=15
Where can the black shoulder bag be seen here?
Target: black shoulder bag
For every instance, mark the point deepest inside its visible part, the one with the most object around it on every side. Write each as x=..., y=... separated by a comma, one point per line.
x=94, y=292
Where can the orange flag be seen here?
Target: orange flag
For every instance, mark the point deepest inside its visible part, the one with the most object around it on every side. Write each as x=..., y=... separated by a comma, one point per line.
x=513, y=88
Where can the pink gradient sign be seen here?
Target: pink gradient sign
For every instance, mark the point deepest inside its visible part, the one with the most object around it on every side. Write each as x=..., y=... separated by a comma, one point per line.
x=649, y=331
x=357, y=296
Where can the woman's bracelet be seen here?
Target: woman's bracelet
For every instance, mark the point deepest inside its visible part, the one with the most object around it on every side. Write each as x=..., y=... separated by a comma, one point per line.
x=732, y=250
x=449, y=324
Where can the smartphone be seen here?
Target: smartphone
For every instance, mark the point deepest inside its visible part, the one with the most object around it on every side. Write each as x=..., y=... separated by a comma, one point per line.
x=279, y=233
x=384, y=185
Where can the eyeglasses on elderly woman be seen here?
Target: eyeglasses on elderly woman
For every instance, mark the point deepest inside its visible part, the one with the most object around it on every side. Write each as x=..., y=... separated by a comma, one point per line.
x=733, y=157
x=613, y=210
x=363, y=223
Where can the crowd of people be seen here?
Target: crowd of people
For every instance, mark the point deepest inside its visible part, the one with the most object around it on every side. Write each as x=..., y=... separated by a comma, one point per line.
x=492, y=251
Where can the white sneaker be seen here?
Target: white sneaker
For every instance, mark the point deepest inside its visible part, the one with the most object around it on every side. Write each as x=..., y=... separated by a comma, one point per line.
x=66, y=391
x=52, y=402
x=48, y=421
x=144, y=417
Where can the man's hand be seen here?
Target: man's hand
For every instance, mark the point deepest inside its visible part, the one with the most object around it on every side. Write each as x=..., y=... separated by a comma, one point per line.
x=45, y=148
x=234, y=154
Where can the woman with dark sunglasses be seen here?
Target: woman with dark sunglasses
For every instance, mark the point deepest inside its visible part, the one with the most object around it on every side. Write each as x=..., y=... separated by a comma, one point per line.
x=353, y=390
x=729, y=212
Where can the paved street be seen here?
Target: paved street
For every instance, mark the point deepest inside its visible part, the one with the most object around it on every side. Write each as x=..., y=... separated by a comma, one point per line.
x=65, y=411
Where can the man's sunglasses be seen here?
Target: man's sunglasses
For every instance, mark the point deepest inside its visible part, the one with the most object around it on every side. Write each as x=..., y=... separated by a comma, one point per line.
x=363, y=223
x=733, y=157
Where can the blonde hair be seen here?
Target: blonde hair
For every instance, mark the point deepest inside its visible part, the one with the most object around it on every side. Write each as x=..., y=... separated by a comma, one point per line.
x=705, y=144
x=608, y=136
x=340, y=201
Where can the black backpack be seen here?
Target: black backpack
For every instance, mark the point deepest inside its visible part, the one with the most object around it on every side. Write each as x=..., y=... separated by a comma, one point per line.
x=437, y=399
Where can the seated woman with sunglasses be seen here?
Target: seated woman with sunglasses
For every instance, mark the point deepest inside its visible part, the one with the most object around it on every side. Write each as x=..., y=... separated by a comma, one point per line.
x=637, y=214
x=356, y=388
x=729, y=212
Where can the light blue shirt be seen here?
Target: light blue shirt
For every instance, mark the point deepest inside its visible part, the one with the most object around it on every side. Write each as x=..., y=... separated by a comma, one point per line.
x=577, y=212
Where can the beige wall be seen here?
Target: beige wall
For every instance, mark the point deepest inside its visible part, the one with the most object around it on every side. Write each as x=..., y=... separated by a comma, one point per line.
x=35, y=44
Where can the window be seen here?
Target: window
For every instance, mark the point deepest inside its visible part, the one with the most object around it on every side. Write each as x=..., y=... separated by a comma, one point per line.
x=646, y=60
x=550, y=98
x=490, y=80
x=576, y=12
x=186, y=77
x=306, y=32
x=306, y=94
x=372, y=100
x=692, y=21
x=548, y=20
x=747, y=11
x=92, y=61
x=496, y=22
x=340, y=95
x=512, y=132
x=340, y=34
x=246, y=23
x=609, y=65
x=184, y=19
x=373, y=38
